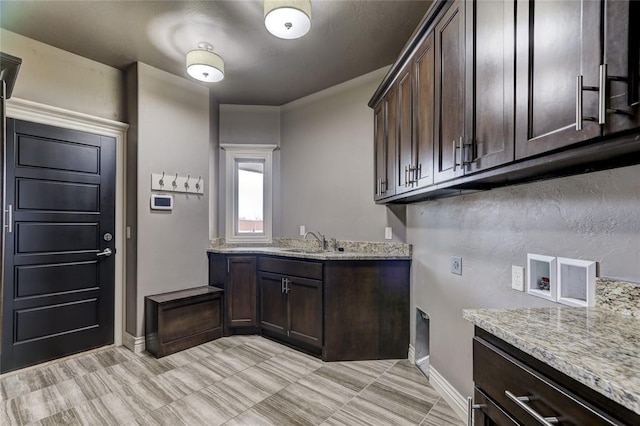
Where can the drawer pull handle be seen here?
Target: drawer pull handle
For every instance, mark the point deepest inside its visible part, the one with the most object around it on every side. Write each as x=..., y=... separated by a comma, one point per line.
x=521, y=402
x=470, y=407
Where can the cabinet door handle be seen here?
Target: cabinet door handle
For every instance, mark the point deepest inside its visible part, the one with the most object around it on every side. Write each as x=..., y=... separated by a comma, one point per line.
x=470, y=407
x=406, y=175
x=602, y=95
x=228, y=265
x=282, y=285
x=521, y=402
x=454, y=155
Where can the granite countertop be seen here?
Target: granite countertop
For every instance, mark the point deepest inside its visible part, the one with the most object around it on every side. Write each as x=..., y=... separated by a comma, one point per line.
x=598, y=347
x=302, y=249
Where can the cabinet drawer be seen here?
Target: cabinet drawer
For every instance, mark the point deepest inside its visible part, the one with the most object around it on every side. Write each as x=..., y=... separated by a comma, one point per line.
x=495, y=373
x=298, y=268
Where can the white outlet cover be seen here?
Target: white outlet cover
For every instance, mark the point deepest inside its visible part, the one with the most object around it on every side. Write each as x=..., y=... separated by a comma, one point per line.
x=303, y=230
x=517, y=278
x=388, y=233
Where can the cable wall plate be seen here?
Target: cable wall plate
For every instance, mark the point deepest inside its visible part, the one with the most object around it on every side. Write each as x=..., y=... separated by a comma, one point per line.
x=172, y=183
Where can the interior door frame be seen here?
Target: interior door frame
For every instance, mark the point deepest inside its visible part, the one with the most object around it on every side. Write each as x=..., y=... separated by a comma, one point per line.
x=35, y=112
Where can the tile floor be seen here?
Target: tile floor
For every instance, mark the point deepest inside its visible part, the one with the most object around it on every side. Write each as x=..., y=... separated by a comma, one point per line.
x=239, y=380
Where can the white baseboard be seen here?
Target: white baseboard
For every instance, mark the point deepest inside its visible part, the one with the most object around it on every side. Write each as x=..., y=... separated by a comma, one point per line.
x=412, y=354
x=135, y=344
x=449, y=393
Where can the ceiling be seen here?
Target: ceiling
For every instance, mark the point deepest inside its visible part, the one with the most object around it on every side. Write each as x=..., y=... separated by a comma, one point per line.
x=347, y=39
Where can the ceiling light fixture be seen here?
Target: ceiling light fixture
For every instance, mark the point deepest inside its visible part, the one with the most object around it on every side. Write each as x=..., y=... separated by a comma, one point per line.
x=204, y=65
x=287, y=19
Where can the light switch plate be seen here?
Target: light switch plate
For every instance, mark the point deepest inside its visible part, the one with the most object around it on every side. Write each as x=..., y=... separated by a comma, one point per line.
x=517, y=278
x=456, y=265
x=388, y=233
x=303, y=230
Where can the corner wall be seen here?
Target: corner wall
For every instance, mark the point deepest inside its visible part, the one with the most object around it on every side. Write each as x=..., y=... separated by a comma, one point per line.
x=172, y=136
x=592, y=217
x=327, y=165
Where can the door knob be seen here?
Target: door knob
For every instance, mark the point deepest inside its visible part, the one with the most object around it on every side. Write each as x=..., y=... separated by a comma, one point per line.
x=106, y=253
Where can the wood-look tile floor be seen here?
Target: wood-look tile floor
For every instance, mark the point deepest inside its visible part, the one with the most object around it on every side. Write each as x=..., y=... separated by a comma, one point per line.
x=239, y=380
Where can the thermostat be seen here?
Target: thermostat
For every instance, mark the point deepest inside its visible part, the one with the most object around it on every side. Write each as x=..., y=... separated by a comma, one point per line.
x=161, y=202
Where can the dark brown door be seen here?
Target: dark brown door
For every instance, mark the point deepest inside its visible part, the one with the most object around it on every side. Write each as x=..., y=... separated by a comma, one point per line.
x=241, y=291
x=390, y=142
x=423, y=102
x=490, y=62
x=379, y=145
x=557, y=41
x=58, y=295
x=449, y=113
x=622, y=57
x=405, y=131
x=305, y=310
x=273, y=303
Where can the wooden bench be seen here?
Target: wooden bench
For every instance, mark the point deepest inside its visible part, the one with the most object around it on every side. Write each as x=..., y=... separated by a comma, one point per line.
x=182, y=319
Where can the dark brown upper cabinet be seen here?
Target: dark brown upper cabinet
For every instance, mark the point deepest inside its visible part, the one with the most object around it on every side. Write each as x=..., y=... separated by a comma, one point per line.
x=385, y=146
x=423, y=108
x=405, y=132
x=491, y=93
x=449, y=94
x=622, y=61
x=557, y=74
x=490, y=81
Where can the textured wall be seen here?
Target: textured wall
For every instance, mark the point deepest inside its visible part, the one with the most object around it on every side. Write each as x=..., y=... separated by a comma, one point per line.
x=249, y=124
x=173, y=136
x=52, y=76
x=593, y=217
x=327, y=165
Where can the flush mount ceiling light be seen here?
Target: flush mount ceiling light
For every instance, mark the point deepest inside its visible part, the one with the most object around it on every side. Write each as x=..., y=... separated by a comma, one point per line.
x=204, y=65
x=287, y=19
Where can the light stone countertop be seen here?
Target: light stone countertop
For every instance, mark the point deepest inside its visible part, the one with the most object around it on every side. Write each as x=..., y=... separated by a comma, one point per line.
x=309, y=249
x=598, y=347
x=312, y=255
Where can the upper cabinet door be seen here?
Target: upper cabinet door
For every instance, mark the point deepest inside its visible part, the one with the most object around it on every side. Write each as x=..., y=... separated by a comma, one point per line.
x=622, y=58
x=380, y=174
x=490, y=82
x=391, y=143
x=557, y=41
x=423, y=106
x=449, y=94
x=405, y=163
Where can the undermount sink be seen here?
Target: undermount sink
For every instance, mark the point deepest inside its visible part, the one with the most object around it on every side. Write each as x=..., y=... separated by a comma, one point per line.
x=302, y=250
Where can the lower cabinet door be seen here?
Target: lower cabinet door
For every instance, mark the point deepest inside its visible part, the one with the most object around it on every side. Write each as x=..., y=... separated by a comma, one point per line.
x=305, y=310
x=273, y=303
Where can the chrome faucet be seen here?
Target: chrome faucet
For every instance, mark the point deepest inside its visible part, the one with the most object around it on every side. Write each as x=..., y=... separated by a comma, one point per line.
x=318, y=236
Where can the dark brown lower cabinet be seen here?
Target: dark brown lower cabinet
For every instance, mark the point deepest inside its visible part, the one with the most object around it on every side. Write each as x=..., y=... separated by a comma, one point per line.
x=290, y=305
x=342, y=310
x=182, y=319
x=512, y=387
x=236, y=274
x=366, y=306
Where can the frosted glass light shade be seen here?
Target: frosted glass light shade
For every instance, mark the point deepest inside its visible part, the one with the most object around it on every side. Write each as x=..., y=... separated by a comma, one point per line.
x=287, y=19
x=204, y=65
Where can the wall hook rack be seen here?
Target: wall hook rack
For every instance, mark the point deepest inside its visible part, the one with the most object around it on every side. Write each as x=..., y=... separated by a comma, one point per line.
x=178, y=184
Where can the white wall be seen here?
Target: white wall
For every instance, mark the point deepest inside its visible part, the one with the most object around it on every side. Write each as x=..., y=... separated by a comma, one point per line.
x=249, y=124
x=327, y=165
x=173, y=136
x=52, y=76
x=592, y=216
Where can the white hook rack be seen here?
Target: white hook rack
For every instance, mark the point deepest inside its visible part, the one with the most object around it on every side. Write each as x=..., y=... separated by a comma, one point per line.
x=168, y=182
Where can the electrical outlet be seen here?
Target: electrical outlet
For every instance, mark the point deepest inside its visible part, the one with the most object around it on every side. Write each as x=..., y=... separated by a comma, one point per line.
x=388, y=233
x=517, y=278
x=456, y=265
x=303, y=230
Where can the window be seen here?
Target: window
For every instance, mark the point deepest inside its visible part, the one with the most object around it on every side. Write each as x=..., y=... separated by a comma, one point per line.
x=249, y=189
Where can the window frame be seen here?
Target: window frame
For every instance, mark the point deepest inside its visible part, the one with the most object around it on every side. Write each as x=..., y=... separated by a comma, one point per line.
x=236, y=153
